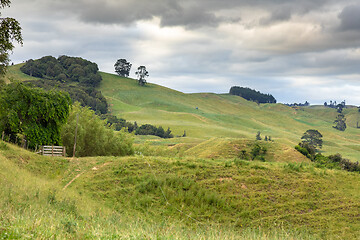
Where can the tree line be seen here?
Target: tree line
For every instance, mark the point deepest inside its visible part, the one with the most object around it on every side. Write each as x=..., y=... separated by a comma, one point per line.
x=252, y=95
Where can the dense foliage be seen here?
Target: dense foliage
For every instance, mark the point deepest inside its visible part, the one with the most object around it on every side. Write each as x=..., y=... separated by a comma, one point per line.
x=64, y=69
x=333, y=161
x=148, y=129
x=63, y=73
x=94, y=137
x=86, y=96
x=252, y=95
x=313, y=138
x=10, y=31
x=33, y=112
x=340, y=122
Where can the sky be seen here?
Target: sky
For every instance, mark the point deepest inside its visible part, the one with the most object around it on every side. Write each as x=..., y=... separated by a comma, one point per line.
x=296, y=50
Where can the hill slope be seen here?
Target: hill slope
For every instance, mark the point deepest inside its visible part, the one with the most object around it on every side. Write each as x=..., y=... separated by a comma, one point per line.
x=207, y=115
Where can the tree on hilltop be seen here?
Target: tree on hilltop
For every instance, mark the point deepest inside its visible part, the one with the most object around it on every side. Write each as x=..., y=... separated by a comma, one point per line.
x=142, y=73
x=122, y=67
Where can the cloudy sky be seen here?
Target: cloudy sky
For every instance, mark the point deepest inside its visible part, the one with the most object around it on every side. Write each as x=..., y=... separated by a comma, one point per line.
x=297, y=50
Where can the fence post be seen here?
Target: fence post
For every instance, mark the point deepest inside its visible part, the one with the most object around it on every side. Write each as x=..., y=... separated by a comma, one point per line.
x=77, y=120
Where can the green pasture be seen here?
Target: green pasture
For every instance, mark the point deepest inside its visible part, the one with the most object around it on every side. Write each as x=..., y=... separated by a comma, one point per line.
x=207, y=115
x=154, y=197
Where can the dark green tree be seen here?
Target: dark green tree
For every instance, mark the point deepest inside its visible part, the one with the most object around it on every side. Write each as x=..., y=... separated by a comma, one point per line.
x=10, y=31
x=142, y=73
x=340, y=122
x=258, y=137
x=122, y=67
x=313, y=138
x=33, y=112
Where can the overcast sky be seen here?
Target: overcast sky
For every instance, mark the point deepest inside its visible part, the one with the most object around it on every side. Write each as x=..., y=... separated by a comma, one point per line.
x=296, y=50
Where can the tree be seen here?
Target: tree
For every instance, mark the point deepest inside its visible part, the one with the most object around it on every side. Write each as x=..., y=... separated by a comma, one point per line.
x=142, y=73
x=94, y=137
x=33, y=112
x=10, y=31
x=313, y=138
x=258, y=137
x=122, y=67
x=340, y=122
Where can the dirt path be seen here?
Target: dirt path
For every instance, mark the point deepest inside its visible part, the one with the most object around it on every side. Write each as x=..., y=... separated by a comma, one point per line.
x=77, y=176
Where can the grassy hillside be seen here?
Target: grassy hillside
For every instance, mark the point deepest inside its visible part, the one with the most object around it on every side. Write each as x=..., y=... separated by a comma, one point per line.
x=173, y=198
x=193, y=187
x=141, y=197
x=207, y=115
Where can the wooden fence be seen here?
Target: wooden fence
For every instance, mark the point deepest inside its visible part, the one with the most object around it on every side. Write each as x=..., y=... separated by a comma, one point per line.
x=55, y=151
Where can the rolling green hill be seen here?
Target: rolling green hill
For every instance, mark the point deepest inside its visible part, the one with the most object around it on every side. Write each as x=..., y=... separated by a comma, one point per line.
x=206, y=115
x=193, y=187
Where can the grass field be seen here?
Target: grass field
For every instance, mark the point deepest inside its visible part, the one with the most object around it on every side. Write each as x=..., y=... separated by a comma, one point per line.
x=140, y=197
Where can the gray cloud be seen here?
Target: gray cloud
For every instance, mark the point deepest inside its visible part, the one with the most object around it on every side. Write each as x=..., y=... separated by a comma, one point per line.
x=350, y=18
x=187, y=13
x=296, y=50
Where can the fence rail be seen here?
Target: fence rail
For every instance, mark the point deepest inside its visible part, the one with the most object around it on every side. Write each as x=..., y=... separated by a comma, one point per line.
x=55, y=151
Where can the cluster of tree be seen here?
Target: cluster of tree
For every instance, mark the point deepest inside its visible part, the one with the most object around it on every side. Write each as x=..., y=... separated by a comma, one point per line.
x=33, y=114
x=252, y=95
x=145, y=129
x=306, y=104
x=61, y=73
x=257, y=153
x=333, y=104
x=148, y=129
x=267, y=138
x=64, y=69
x=336, y=162
x=312, y=139
x=123, y=67
x=93, y=136
x=86, y=96
x=333, y=161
